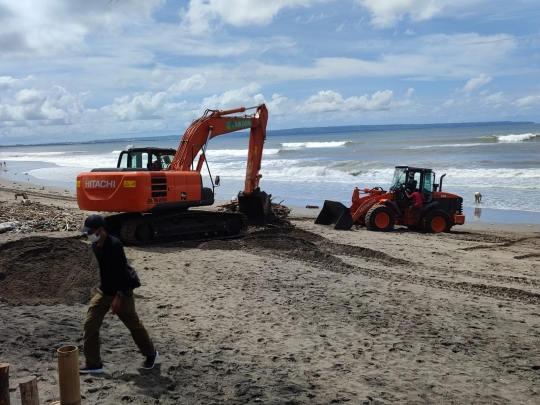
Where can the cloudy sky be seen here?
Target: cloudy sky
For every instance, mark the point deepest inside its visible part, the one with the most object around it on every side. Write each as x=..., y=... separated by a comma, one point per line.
x=82, y=70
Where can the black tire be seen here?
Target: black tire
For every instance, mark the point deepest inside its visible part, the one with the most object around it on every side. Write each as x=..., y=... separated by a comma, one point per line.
x=380, y=218
x=433, y=222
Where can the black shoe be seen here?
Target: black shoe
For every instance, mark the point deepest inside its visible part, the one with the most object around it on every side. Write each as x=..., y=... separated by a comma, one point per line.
x=150, y=362
x=91, y=369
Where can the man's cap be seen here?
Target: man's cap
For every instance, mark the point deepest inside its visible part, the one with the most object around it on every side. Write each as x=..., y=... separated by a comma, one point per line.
x=93, y=222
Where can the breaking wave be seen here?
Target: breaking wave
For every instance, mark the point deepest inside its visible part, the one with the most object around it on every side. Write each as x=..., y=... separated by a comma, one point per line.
x=512, y=138
x=308, y=145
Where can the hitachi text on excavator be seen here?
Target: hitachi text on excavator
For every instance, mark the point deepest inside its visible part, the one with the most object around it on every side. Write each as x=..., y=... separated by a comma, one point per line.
x=153, y=188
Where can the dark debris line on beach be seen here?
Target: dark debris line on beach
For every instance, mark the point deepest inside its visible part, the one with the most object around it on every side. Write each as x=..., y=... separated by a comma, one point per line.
x=278, y=216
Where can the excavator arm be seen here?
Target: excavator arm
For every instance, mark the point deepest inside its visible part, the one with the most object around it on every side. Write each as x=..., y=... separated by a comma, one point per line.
x=255, y=204
x=216, y=123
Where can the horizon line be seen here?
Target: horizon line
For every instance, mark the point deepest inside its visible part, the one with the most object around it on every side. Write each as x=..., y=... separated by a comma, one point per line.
x=298, y=129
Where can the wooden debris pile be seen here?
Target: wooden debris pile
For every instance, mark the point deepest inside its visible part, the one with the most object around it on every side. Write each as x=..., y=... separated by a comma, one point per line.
x=39, y=218
x=278, y=216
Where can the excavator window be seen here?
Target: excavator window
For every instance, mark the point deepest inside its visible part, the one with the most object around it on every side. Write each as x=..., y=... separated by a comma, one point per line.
x=166, y=161
x=133, y=160
x=123, y=160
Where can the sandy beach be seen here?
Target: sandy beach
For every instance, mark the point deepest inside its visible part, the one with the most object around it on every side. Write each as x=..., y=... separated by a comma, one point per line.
x=307, y=315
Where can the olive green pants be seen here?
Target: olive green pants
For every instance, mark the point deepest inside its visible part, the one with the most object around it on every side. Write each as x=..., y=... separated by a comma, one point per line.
x=99, y=307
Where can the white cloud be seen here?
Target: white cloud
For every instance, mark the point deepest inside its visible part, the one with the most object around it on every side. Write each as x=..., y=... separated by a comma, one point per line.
x=449, y=103
x=140, y=107
x=495, y=99
x=54, y=106
x=386, y=13
x=409, y=92
x=195, y=82
x=201, y=15
x=150, y=105
x=528, y=101
x=328, y=100
x=8, y=82
x=234, y=98
x=476, y=82
x=47, y=27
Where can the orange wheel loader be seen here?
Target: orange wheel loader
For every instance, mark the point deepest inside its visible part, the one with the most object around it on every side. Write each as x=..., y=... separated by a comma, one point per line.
x=380, y=210
x=153, y=188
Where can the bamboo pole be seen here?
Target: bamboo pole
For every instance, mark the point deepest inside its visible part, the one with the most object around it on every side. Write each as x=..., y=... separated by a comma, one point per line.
x=4, y=384
x=29, y=392
x=68, y=375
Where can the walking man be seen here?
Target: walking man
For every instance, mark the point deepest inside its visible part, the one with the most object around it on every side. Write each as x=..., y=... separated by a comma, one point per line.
x=114, y=294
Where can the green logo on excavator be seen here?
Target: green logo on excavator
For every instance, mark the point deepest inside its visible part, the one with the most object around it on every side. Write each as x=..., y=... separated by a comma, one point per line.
x=238, y=124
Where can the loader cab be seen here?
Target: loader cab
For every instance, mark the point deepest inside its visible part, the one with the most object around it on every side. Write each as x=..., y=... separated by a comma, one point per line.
x=146, y=158
x=412, y=179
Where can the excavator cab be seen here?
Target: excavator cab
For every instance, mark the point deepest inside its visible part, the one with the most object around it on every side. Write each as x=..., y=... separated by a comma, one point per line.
x=149, y=158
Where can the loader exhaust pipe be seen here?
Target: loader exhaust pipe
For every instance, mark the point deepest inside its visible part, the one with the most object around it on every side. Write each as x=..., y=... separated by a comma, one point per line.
x=334, y=212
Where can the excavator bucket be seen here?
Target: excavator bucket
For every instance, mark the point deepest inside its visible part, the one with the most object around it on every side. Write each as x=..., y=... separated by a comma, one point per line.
x=334, y=212
x=256, y=207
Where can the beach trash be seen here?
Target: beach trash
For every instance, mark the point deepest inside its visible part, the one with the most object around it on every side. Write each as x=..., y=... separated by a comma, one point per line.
x=8, y=226
x=68, y=375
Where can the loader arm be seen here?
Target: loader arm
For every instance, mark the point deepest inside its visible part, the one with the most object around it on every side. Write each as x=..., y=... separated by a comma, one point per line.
x=215, y=123
x=361, y=205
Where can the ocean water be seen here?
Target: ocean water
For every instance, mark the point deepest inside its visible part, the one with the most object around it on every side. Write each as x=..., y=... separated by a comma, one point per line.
x=307, y=166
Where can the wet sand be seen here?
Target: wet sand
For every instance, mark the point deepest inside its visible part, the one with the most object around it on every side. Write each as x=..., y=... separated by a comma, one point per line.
x=308, y=315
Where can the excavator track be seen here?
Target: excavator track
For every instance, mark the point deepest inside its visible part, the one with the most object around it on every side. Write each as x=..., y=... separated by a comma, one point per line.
x=196, y=225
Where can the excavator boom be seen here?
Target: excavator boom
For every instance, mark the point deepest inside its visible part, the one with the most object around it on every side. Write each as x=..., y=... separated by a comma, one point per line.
x=217, y=123
x=253, y=203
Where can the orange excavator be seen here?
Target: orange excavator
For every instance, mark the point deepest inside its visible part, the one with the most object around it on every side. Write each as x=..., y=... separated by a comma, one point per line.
x=153, y=188
x=380, y=210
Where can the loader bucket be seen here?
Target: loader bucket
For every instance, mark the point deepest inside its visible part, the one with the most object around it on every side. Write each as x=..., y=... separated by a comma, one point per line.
x=256, y=207
x=334, y=212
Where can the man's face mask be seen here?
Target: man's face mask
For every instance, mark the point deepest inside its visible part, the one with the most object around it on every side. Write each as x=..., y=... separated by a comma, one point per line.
x=94, y=237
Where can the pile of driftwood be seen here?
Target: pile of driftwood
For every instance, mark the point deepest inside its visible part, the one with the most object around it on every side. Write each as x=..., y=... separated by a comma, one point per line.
x=278, y=216
x=37, y=217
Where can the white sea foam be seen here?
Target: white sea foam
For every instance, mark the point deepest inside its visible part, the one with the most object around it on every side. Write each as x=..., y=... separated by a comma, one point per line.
x=232, y=153
x=455, y=145
x=32, y=155
x=494, y=174
x=299, y=145
x=517, y=138
x=67, y=159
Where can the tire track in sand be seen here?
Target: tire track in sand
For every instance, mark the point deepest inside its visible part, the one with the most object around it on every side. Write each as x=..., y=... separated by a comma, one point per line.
x=314, y=249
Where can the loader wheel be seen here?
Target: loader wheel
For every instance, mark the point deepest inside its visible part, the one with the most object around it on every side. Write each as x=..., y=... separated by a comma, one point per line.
x=380, y=218
x=437, y=221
